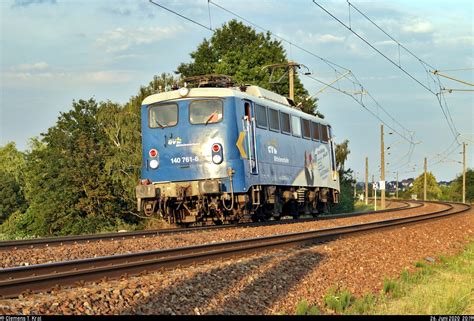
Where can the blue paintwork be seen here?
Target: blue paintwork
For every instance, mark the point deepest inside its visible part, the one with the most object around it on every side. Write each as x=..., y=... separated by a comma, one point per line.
x=186, y=142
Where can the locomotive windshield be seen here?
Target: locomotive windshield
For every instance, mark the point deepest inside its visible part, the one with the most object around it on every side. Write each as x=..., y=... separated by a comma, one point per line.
x=163, y=115
x=205, y=111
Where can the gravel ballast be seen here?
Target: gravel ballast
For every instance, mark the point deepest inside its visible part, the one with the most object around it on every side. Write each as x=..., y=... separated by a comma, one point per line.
x=270, y=282
x=30, y=256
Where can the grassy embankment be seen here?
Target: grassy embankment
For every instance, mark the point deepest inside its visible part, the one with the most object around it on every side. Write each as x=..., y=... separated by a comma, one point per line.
x=361, y=207
x=445, y=287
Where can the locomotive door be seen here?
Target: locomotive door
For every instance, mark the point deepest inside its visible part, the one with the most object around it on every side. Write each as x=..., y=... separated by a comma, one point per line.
x=249, y=128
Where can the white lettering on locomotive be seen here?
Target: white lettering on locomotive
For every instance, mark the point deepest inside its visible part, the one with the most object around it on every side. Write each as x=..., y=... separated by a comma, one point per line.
x=184, y=159
x=281, y=159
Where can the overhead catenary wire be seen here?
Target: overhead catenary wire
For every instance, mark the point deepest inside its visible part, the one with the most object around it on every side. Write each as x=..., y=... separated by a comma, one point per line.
x=361, y=103
x=388, y=35
x=332, y=65
x=182, y=16
x=446, y=154
x=347, y=71
x=459, y=69
x=370, y=45
x=209, y=11
x=445, y=113
x=326, y=61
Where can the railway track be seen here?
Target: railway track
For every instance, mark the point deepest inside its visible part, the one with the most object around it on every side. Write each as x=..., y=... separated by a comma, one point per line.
x=14, y=281
x=76, y=239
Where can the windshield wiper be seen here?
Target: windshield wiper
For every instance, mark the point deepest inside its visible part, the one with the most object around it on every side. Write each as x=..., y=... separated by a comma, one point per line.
x=158, y=123
x=210, y=117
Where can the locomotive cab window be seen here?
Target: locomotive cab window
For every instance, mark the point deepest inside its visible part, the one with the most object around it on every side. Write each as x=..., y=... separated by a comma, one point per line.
x=315, y=131
x=324, y=134
x=261, y=113
x=295, y=126
x=205, y=111
x=285, y=123
x=163, y=115
x=273, y=119
x=329, y=132
x=306, y=128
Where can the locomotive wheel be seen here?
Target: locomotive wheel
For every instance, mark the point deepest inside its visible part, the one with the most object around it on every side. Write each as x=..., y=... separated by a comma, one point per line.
x=217, y=221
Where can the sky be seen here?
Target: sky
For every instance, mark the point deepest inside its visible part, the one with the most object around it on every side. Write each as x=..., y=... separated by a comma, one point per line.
x=53, y=52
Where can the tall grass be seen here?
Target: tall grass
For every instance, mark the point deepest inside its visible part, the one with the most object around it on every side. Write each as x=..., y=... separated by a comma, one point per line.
x=443, y=288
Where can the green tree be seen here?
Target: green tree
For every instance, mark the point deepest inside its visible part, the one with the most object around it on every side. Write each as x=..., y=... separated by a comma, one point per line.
x=12, y=181
x=456, y=186
x=122, y=128
x=433, y=191
x=346, y=202
x=239, y=51
x=342, y=153
x=12, y=161
x=82, y=173
x=448, y=193
x=69, y=190
x=11, y=196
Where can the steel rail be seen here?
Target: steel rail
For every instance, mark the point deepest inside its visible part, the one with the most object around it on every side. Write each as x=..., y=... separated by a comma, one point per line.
x=75, y=239
x=14, y=281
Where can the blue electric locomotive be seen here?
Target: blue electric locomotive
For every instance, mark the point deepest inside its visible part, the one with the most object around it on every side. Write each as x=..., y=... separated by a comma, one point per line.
x=217, y=154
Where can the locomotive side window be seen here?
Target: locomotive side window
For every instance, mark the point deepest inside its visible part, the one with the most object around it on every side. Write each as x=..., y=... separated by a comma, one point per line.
x=285, y=123
x=324, y=133
x=163, y=115
x=205, y=111
x=315, y=131
x=306, y=128
x=274, y=120
x=295, y=126
x=261, y=113
x=247, y=111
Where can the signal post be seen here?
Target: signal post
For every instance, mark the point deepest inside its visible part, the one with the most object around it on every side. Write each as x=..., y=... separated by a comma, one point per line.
x=464, y=172
x=366, y=180
x=424, y=181
x=382, y=169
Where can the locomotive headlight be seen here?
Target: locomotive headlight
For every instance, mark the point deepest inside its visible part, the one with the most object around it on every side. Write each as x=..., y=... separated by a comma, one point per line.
x=153, y=153
x=217, y=154
x=217, y=159
x=154, y=163
x=183, y=92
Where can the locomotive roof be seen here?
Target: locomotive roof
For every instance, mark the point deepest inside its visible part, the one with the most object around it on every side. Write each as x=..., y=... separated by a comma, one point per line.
x=254, y=93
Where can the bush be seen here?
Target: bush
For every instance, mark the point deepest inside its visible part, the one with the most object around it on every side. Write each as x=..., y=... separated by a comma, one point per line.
x=364, y=305
x=346, y=199
x=17, y=226
x=304, y=309
x=391, y=286
x=338, y=301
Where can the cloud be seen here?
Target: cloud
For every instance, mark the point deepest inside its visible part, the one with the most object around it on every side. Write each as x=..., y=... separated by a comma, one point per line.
x=123, y=12
x=121, y=39
x=24, y=76
x=37, y=66
x=330, y=38
x=454, y=40
x=41, y=71
x=107, y=77
x=38, y=70
x=418, y=26
x=26, y=3
x=308, y=37
x=385, y=43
